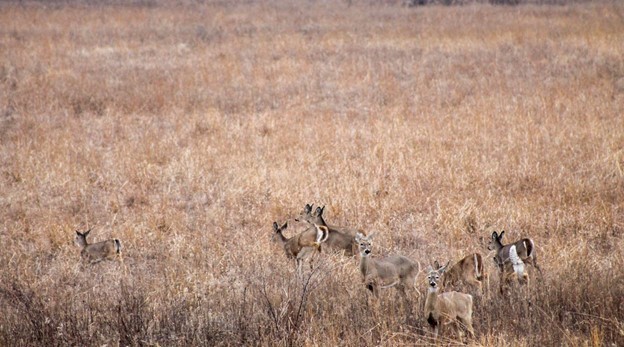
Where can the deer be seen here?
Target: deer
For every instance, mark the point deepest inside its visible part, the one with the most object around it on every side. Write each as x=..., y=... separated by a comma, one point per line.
x=392, y=271
x=340, y=239
x=511, y=258
x=449, y=307
x=99, y=251
x=302, y=245
x=467, y=270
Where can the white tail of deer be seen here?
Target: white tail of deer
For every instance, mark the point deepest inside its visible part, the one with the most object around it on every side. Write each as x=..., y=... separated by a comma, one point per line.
x=99, y=251
x=301, y=246
x=339, y=239
x=511, y=259
x=468, y=270
x=392, y=271
x=444, y=308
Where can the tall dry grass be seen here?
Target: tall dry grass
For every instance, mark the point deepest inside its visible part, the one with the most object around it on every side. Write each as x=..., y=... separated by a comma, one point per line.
x=186, y=130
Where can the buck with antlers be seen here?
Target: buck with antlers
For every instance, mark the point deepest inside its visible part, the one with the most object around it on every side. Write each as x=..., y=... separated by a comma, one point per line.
x=445, y=308
x=511, y=258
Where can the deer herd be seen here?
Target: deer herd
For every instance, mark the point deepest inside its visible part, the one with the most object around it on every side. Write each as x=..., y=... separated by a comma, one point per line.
x=398, y=271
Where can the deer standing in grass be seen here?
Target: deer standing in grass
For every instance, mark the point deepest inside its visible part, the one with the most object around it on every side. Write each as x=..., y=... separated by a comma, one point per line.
x=510, y=259
x=392, y=271
x=444, y=308
x=468, y=270
x=99, y=251
x=340, y=239
x=302, y=245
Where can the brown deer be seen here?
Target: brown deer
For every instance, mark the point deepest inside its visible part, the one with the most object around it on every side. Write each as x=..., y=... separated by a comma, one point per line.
x=511, y=258
x=468, y=270
x=338, y=239
x=302, y=245
x=99, y=251
x=445, y=308
x=392, y=271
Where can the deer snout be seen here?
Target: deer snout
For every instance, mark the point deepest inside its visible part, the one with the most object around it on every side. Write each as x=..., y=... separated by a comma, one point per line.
x=367, y=251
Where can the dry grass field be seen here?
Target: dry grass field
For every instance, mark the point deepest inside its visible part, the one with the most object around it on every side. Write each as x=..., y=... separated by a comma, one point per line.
x=185, y=130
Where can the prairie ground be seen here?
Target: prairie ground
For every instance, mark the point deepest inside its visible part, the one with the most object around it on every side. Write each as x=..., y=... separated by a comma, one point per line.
x=185, y=130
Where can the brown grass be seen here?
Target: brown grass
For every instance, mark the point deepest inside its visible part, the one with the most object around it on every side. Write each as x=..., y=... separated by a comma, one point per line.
x=186, y=130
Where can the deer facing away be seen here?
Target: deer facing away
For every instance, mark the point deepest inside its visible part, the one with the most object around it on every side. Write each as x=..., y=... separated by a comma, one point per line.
x=445, y=308
x=302, y=245
x=511, y=258
x=341, y=239
x=99, y=251
x=468, y=270
x=392, y=271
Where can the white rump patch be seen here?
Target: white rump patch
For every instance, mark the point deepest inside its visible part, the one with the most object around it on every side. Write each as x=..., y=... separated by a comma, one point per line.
x=518, y=264
x=322, y=233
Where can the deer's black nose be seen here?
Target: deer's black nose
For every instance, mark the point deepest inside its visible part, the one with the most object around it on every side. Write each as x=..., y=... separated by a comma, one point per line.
x=367, y=251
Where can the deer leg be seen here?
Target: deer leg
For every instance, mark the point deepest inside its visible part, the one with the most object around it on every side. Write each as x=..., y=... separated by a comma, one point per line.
x=299, y=264
x=391, y=285
x=467, y=323
x=376, y=291
x=533, y=261
x=476, y=283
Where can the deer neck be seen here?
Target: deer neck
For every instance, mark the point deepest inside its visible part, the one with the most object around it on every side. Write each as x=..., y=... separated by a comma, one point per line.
x=281, y=238
x=82, y=242
x=364, y=262
x=321, y=222
x=293, y=244
x=431, y=303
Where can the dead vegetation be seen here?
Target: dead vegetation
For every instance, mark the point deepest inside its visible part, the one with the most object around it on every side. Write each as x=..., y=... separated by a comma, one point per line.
x=176, y=128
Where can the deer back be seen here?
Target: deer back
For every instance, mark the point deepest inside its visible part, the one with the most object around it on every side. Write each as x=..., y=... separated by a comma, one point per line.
x=524, y=249
x=338, y=238
x=102, y=250
x=455, y=304
x=467, y=268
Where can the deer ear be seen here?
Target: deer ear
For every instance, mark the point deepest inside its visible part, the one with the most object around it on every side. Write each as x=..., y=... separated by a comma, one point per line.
x=284, y=226
x=429, y=268
x=275, y=226
x=371, y=235
x=494, y=235
x=78, y=233
x=436, y=264
x=87, y=232
x=446, y=266
x=358, y=236
x=322, y=210
x=501, y=235
x=307, y=208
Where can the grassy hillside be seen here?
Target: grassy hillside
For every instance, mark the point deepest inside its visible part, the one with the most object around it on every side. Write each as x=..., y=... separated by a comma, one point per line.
x=186, y=130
